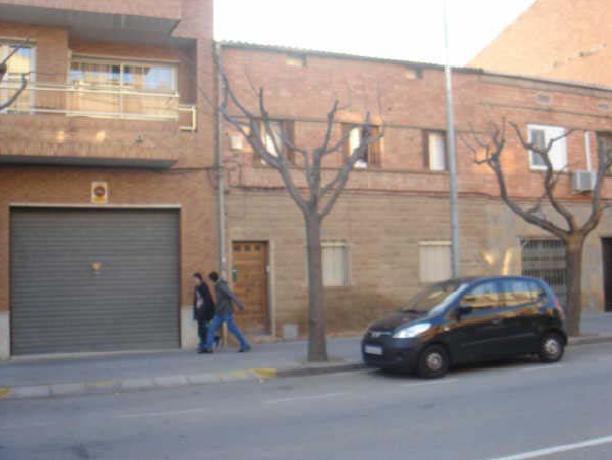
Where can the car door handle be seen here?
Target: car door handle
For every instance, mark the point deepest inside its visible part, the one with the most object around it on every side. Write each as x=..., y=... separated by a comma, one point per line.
x=497, y=321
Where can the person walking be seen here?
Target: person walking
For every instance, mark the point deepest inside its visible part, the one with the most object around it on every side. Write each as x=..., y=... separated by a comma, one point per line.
x=203, y=309
x=224, y=313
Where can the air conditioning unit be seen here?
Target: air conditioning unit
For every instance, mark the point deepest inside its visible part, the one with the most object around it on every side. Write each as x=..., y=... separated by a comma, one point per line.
x=583, y=181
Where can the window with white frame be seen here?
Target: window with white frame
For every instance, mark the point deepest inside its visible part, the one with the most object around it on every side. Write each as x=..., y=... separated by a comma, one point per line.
x=335, y=262
x=272, y=140
x=540, y=136
x=434, y=261
x=356, y=135
x=435, y=154
x=22, y=61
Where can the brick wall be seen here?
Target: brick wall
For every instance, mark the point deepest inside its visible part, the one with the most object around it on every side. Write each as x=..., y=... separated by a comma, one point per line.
x=383, y=232
x=565, y=39
x=187, y=184
x=385, y=213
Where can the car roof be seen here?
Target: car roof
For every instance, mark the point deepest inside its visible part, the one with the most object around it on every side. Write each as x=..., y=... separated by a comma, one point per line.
x=471, y=279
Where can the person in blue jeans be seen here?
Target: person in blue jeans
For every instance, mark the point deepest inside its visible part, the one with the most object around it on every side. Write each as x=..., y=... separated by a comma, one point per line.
x=224, y=313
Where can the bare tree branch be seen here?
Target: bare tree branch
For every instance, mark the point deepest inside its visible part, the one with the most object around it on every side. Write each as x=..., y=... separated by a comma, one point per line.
x=496, y=147
x=22, y=87
x=336, y=186
x=550, y=182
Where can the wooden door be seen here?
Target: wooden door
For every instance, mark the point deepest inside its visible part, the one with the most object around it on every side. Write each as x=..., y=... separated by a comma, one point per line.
x=250, y=281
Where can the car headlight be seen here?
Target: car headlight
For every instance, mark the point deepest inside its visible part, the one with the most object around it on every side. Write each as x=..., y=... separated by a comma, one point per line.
x=411, y=331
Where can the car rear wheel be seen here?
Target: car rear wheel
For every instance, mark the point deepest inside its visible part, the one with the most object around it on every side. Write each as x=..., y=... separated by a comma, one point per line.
x=433, y=362
x=552, y=346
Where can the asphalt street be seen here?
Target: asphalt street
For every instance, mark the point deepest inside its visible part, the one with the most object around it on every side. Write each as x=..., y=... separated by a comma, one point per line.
x=518, y=410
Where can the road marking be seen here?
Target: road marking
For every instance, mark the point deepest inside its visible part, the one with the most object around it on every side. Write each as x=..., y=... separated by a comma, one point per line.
x=304, y=398
x=540, y=368
x=556, y=449
x=163, y=414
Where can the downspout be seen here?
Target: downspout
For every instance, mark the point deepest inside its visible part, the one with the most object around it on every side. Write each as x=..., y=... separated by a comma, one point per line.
x=587, y=151
x=219, y=169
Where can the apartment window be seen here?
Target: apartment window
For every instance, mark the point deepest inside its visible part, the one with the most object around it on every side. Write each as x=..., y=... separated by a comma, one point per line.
x=120, y=88
x=434, y=261
x=273, y=140
x=357, y=134
x=154, y=77
x=604, y=144
x=435, y=150
x=335, y=261
x=296, y=60
x=540, y=136
x=23, y=61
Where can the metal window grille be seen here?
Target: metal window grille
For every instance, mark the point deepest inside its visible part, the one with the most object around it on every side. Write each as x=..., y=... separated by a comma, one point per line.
x=545, y=259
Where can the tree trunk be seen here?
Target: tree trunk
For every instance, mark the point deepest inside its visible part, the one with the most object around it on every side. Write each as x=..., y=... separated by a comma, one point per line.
x=573, y=260
x=317, y=349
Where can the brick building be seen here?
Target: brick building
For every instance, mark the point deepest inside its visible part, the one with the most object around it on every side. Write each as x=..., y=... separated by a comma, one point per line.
x=561, y=39
x=389, y=232
x=106, y=203
x=107, y=190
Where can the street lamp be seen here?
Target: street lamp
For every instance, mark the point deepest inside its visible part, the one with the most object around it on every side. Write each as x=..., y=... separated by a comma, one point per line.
x=451, y=153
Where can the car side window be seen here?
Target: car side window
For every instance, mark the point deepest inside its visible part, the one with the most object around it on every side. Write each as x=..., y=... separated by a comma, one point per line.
x=483, y=296
x=521, y=292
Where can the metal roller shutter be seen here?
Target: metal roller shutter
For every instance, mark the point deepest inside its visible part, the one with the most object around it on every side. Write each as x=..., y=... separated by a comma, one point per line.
x=94, y=280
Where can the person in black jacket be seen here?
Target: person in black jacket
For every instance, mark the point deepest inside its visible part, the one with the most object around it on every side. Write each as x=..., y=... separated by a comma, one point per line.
x=203, y=309
x=224, y=313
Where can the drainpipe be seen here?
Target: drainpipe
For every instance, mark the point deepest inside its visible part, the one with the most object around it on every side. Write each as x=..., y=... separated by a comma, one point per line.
x=587, y=150
x=219, y=169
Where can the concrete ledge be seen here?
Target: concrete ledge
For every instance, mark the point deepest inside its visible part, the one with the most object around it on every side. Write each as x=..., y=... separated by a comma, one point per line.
x=589, y=339
x=259, y=374
x=320, y=369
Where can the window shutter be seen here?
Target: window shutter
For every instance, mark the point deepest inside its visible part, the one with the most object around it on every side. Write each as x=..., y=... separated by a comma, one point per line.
x=289, y=132
x=434, y=262
x=374, y=150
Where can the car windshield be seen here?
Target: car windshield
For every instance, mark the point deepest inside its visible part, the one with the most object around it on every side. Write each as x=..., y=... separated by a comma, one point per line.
x=434, y=298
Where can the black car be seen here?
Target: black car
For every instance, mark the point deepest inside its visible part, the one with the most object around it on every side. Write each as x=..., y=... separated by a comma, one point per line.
x=467, y=320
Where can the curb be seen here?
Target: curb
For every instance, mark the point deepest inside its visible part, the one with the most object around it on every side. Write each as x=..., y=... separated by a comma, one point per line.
x=256, y=374
x=589, y=340
x=259, y=374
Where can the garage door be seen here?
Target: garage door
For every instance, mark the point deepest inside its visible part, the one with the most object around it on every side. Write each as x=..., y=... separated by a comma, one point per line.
x=93, y=280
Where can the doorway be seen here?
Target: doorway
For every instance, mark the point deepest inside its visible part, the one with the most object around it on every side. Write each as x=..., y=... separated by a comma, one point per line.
x=607, y=272
x=250, y=281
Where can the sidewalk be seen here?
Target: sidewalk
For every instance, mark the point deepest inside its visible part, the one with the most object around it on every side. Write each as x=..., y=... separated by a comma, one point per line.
x=55, y=376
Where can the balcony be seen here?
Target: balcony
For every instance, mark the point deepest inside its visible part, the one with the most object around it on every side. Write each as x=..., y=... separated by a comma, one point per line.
x=82, y=100
x=84, y=125
x=133, y=21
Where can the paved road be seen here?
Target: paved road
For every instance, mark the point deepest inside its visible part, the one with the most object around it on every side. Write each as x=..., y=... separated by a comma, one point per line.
x=562, y=411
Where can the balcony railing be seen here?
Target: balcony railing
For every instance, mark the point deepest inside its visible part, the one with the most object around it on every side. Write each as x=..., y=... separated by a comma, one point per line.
x=99, y=102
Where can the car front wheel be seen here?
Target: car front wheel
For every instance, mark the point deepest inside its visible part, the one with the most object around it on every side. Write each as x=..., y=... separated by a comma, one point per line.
x=551, y=348
x=433, y=362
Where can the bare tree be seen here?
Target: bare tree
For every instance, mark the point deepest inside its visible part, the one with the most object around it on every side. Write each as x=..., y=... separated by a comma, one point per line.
x=23, y=84
x=490, y=149
x=316, y=199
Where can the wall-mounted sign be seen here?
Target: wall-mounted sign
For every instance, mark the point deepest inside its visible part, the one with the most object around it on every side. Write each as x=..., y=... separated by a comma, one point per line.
x=99, y=192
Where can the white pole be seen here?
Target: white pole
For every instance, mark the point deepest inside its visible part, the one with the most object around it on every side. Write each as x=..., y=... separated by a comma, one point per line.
x=451, y=151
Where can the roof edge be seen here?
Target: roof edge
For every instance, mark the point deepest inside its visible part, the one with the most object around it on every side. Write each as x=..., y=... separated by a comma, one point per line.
x=408, y=63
